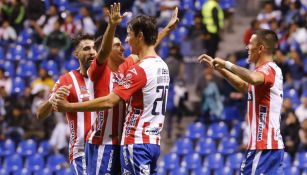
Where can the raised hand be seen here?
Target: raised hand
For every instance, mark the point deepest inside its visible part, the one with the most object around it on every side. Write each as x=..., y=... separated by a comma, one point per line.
x=174, y=20
x=115, y=17
x=218, y=63
x=204, y=58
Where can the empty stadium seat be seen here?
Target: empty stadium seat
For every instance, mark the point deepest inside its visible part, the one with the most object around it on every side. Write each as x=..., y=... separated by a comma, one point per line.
x=180, y=171
x=37, y=52
x=196, y=130
x=301, y=160
x=234, y=160
x=188, y=18
x=51, y=66
x=2, y=54
x=161, y=171
x=23, y=171
x=224, y=171
x=199, y=4
x=45, y=171
x=287, y=160
x=186, y=5
x=183, y=146
x=170, y=161
x=26, y=69
x=18, y=85
x=54, y=162
x=202, y=171
x=71, y=64
x=217, y=130
x=44, y=148
x=4, y=172
x=66, y=171
x=292, y=94
x=25, y=37
x=16, y=53
x=206, y=146
x=192, y=161
x=13, y=163
x=35, y=163
x=7, y=148
x=292, y=171
x=228, y=146
x=214, y=161
x=9, y=68
x=27, y=147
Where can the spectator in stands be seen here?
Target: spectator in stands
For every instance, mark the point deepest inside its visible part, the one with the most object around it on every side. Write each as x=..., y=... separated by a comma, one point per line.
x=228, y=7
x=166, y=10
x=296, y=67
x=35, y=9
x=14, y=11
x=268, y=14
x=286, y=105
x=87, y=22
x=211, y=105
x=175, y=63
x=7, y=33
x=289, y=82
x=301, y=110
x=254, y=25
x=144, y=7
x=281, y=60
x=289, y=129
x=298, y=37
x=39, y=96
x=213, y=19
x=43, y=78
x=102, y=22
x=70, y=27
x=5, y=82
x=303, y=136
x=293, y=14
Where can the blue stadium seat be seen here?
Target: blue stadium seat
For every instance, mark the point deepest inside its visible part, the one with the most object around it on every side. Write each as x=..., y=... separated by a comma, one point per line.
x=206, y=146
x=224, y=171
x=226, y=4
x=61, y=4
x=51, y=66
x=183, y=146
x=127, y=50
x=292, y=171
x=23, y=171
x=4, y=172
x=234, y=160
x=180, y=171
x=9, y=69
x=178, y=34
x=13, y=163
x=287, y=160
x=161, y=171
x=44, y=148
x=54, y=162
x=196, y=130
x=301, y=160
x=18, y=85
x=45, y=171
x=16, y=53
x=228, y=146
x=25, y=37
x=236, y=130
x=217, y=130
x=7, y=148
x=71, y=64
x=188, y=18
x=2, y=53
x=199, y=4
x=305, y=64
x=27, y=147
x=170, y=161
x=202, y=171
x=26, y=69
x=186, y=5
x=231, y=113
x=35, y=163
x=66, y=171
x=214, y=161
x=192, y=161
x=163, y=50
x=37, y=52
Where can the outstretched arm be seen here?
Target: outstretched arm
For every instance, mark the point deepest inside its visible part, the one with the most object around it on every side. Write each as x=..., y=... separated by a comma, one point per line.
x=96, y=104
x=169, y=27
x=106, y=45
x=233, y=79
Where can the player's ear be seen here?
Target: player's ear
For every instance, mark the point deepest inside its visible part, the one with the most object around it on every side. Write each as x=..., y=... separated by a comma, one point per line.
x=75, y=54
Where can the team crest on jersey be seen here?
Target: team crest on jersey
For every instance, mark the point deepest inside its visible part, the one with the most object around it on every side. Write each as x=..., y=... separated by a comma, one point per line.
x=123, y=80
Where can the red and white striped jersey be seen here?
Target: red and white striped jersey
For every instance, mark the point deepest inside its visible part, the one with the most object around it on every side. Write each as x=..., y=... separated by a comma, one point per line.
x=264, y=108
x=145, y=87
x=108, y=126
x=79, y=122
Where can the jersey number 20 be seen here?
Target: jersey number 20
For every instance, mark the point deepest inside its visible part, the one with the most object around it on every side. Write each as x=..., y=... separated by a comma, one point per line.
x=160, y=100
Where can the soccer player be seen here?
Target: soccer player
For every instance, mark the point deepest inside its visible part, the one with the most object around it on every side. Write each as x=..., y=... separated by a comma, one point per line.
x=144, y=86
x=265, y=90
x=80, y=90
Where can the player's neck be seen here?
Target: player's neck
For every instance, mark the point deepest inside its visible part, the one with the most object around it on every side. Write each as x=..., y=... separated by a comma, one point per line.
x=83, y=71
x=264, y=59
x=147, y=51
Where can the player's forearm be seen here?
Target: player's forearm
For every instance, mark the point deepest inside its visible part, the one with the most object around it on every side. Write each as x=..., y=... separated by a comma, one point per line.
x=247, y=75
x=97, y=104
x=106, y=44
x=234, y=80
x=44, y=110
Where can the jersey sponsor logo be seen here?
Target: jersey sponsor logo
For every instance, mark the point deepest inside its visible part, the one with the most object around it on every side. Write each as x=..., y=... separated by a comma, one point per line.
x=133, y=71
x=100, y=120
x=72, y=132
x=110, y=161
x=133, y=121
x=84, y=93
x=144, y=169
x=277, y=135
x=153, y=131
x=249, y=96
x=262, y=119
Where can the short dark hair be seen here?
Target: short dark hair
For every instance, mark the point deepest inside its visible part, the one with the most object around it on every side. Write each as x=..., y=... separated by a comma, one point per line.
x=80, y=37
x=147, y=25
x=268, y=38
